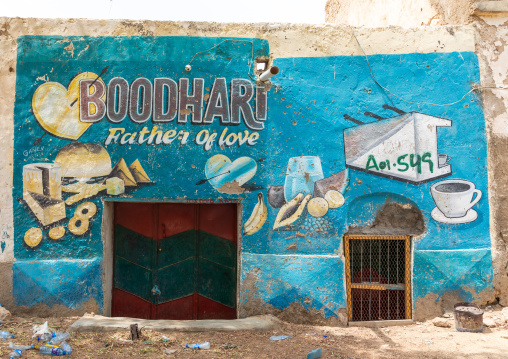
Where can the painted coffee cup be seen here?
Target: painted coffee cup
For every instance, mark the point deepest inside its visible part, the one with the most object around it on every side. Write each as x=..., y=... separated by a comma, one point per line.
x=454, y=197
x=442, y=160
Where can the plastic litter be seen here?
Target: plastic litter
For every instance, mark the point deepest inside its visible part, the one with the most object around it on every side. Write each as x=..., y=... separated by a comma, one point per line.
x=46, y=337
x=126, y=340
x=60, y=337
x=205, y=345
x=52, y=351
x=167, y=351
x=6, y=335
x=316, y=353
x=47, y=345
x=280, y=337
x=67, y=348
x=165, y=339
x=40, y=330
x=20, y=347
x=16, y=353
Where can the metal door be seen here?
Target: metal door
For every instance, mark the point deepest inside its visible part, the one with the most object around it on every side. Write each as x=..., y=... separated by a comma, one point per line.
x=175, y=261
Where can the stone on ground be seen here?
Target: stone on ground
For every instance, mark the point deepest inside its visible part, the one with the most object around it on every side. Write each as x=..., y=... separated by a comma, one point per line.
x=504, y=314
x=441, y=322
x=488, y=322
x=5, y=315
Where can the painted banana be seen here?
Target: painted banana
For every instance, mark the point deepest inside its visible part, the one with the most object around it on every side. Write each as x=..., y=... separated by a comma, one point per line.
x=257, y=217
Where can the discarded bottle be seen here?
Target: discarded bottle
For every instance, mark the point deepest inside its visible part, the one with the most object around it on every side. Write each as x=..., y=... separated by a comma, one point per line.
x=15, y=354
x=20, y=347
x=46, y=337
x=47, y=345
x=60, y=337
x=52, y=351
x=316, y=353
x=205, y=345
x=67, y=348
x=280, y=337
x=6, y=335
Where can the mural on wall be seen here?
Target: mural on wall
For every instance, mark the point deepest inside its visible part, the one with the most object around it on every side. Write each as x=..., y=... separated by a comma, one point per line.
x=105, y=126
x=257, y=218
x=454, y=201
x=112, y=124
x=229, y=177
x=81, y=171
x=404, y=147
x=306, y=191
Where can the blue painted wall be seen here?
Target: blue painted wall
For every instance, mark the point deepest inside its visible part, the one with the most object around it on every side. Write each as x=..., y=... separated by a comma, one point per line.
x=306, y=104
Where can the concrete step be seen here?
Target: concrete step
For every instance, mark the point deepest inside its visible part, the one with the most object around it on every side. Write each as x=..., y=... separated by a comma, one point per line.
x=97, y=323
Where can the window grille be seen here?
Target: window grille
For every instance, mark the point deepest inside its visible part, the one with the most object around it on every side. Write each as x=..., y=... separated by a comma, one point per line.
x=378, y=277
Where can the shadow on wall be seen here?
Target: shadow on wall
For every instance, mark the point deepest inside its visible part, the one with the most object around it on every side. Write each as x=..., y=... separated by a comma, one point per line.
x=385, y=214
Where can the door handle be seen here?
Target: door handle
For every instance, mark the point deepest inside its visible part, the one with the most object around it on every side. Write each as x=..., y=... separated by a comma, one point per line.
x=156, y=291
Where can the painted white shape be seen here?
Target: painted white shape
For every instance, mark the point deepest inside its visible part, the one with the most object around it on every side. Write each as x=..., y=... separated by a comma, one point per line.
x=391, y=142
x=438, y=216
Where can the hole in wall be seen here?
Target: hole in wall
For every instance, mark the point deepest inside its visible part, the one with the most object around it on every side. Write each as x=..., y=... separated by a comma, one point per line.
x=385, y=214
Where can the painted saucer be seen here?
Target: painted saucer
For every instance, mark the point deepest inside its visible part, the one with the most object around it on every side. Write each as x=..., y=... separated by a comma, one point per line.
x=438, y=216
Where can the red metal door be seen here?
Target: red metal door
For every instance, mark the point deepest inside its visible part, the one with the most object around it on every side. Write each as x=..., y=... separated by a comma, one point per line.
x=175, y=261
x=134, y=256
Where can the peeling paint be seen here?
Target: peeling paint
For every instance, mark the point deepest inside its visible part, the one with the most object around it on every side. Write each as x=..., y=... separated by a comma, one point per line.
x=296, y=272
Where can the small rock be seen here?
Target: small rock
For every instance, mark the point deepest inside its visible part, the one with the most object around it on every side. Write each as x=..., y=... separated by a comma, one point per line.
x=441, y=322
x=489, y=323
x=5, y=315
x=499, y=321
x=504, y=314
x=385, y=346
x=167, y=351
x=447, y=315
x=428, y=342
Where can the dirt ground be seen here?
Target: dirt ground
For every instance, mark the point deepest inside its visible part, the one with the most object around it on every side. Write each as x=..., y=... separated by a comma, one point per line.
x=420, y=340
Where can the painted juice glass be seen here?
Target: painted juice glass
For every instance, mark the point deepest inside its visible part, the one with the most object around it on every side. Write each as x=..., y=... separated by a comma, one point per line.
x=302, y=172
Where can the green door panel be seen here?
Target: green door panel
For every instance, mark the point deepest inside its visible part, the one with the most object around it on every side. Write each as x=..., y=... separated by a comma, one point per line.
x=176, y=248
x=133, y=246
x=176, y=280
x=217, y=282
x=216, y=249
x=133, y=278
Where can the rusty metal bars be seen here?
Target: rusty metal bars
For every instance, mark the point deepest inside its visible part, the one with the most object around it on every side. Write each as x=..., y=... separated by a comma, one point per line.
x=378, y=286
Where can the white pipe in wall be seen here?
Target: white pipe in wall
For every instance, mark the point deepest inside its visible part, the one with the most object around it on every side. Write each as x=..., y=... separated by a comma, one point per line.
x=274, y=70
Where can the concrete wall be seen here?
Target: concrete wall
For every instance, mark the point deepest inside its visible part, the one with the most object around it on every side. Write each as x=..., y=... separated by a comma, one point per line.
x=385, y=13
x=490, y=21
x=292, y=264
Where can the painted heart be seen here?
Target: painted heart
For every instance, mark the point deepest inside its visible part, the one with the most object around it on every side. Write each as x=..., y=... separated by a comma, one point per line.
x=51, y=104
x=219, y=170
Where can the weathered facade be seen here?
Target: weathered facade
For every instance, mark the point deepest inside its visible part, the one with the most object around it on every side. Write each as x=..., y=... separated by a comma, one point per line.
x=489, y=20
x=146, y=163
